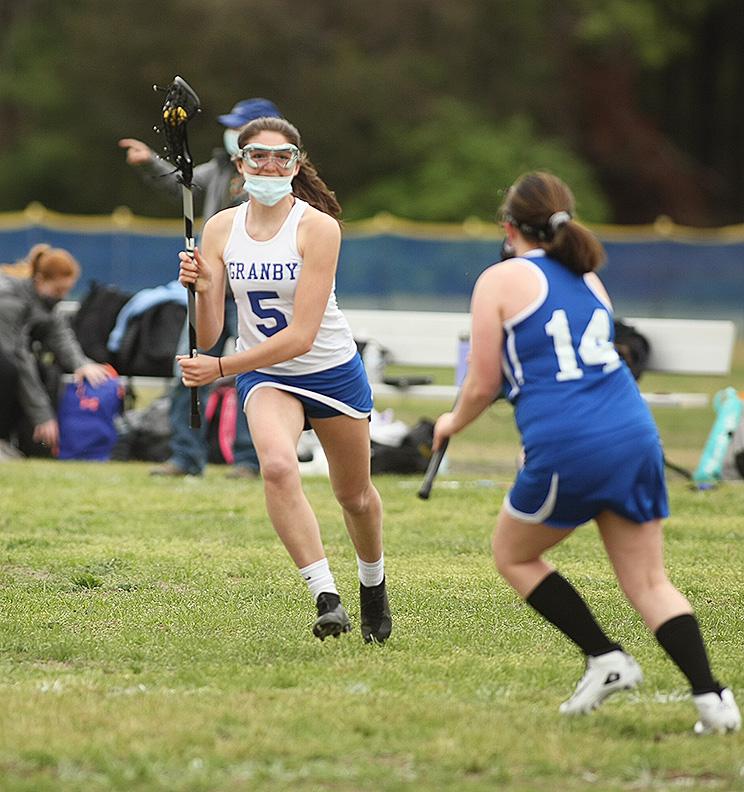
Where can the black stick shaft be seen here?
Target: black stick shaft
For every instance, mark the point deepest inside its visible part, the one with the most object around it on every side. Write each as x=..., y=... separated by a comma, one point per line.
x=433, y=467
x=431, y=470
x=188, y=220
x=677, y=469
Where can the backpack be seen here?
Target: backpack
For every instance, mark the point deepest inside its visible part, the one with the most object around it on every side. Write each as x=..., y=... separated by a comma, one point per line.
x=96, y=317
x=221, y=413
x=633, y=348
x=86, y=417
x=148, y=347
x=145, y=433
x=411, y=455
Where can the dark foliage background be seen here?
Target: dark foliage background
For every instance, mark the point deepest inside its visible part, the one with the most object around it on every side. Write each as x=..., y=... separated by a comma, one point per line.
x=422, y=108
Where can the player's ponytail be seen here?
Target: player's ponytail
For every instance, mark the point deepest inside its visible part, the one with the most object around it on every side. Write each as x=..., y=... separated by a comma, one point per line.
x=541, y=207
x=308, y=186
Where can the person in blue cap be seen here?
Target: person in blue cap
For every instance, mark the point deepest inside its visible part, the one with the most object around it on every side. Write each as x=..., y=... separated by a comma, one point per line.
x=217, y=185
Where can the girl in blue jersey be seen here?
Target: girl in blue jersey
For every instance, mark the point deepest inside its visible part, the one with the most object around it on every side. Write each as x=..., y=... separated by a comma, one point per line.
x=296, y=362
x=542, y=326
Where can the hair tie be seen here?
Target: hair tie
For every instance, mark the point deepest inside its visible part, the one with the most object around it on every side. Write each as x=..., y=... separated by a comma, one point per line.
x=557, y=220
x=525, y=228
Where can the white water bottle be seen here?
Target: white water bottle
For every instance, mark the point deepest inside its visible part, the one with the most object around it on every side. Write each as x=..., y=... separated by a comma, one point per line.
x=374, y=362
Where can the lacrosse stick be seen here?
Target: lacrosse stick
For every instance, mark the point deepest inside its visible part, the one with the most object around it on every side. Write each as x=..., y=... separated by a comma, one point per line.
x=180, y=106
x=432, y=469
x=677, y=469
x=436, y=458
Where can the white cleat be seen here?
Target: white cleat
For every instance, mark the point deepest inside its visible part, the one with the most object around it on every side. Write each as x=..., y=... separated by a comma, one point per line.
x=604, y=675
x=718, y=714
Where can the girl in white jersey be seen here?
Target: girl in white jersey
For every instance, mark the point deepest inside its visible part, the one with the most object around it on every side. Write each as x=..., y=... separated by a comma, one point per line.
x=296, y=362
x=591, y=447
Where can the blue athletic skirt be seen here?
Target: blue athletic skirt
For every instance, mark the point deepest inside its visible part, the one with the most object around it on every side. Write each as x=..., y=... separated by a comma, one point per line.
x=342, y=390
x=566, y=484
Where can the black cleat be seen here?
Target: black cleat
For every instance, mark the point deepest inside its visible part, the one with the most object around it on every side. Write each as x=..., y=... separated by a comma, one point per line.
x=377, y=623
x=332, y=618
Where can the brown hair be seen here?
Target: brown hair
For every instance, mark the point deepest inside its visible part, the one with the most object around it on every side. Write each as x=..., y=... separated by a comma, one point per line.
x=52, y=263
x=306, y=185
x=541, y=207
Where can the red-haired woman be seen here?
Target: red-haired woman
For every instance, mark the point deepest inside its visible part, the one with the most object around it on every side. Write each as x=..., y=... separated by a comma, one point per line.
x=27, y=315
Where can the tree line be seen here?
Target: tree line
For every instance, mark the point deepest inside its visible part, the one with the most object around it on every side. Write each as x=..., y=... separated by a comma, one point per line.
x=426, y=109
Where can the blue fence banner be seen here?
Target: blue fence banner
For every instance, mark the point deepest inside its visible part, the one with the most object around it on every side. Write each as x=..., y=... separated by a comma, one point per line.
x=661, y=270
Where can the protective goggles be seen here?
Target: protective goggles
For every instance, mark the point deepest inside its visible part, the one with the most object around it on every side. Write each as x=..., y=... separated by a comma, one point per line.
x=257, y=155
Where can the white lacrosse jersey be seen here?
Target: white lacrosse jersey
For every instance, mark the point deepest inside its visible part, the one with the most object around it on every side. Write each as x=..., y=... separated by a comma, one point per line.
x=263, y=277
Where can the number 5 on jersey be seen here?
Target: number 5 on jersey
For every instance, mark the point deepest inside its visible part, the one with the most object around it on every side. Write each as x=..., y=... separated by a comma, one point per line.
x=279, y=320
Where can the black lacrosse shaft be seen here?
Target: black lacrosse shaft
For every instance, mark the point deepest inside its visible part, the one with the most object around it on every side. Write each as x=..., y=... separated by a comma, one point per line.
x=431, y=470
x=195, y=420
x=677, y=469
x=433, y=467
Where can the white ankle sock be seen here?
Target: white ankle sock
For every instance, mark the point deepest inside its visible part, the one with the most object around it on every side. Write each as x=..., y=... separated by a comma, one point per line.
x=319, y=577
x=371, y=574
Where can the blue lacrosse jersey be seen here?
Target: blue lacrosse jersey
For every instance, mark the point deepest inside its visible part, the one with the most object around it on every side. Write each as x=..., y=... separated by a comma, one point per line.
x=590, y=440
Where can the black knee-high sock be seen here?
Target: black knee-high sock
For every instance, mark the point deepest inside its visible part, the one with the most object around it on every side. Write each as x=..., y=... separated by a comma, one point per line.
x=682, y=641
x=557, y=600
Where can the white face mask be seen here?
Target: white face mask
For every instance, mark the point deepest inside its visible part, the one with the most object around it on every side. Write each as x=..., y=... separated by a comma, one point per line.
x=230, y=140
x=268, y=190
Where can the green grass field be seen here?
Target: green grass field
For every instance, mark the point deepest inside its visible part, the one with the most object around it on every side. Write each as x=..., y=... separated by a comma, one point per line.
x=154, y=635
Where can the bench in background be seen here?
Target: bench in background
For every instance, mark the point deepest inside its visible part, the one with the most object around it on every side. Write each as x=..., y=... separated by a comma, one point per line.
x=688, y=346
x=433, y=338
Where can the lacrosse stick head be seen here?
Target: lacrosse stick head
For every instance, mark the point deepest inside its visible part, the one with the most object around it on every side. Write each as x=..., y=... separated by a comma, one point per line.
x=180, y=106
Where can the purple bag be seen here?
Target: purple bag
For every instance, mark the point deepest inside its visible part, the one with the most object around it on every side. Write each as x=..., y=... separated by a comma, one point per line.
x=86, y=420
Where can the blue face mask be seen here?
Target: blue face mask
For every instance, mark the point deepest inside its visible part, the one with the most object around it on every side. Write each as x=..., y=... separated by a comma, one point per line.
x=230, y=140
x=268, y=190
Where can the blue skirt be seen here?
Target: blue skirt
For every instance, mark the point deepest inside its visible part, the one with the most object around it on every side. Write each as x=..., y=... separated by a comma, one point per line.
x=342, y=390
x=566, y=484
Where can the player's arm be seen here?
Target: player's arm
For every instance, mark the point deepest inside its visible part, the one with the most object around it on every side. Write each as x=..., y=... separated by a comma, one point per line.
x=483, y=379
x=319, y=242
